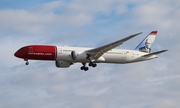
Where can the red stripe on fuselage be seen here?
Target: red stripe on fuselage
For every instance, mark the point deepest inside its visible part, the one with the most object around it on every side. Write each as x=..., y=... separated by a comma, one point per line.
x=37, y=52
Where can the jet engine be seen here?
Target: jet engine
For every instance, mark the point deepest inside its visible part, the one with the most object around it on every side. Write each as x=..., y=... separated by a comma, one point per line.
x=63, y=64
x=82, y=56
x=73, y=55
x=78, y=56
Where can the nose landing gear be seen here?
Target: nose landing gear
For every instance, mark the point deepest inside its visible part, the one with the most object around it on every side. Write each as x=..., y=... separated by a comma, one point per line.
x=27, y=63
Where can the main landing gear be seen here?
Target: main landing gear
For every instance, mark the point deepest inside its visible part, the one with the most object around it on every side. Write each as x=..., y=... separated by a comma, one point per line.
x=27, y=63
x=86, y=68
x=92, y=64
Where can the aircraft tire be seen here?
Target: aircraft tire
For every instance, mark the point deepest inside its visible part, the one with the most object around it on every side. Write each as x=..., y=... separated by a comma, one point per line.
x=86, y=68
x=82, y=68
x=94, y=65
x=27, y=63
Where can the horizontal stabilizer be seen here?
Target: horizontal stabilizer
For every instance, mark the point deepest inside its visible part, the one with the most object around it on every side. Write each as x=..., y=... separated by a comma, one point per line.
x=154, y=53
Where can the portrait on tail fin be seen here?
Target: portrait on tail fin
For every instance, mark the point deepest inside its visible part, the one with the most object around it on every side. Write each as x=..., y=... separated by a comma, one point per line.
x=145, y=45
x=146, y=48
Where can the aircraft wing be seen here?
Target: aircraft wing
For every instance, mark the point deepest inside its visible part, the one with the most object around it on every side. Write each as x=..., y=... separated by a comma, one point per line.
x=154, y=53
x=94, y=54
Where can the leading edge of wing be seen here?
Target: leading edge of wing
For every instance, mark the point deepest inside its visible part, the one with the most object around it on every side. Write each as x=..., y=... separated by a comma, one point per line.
x=98, y=52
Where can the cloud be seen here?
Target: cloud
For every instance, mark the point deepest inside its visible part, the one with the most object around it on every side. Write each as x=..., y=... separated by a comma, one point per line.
x=160, y=15
x=55, y=14
x=57, y=89
x=40, y=19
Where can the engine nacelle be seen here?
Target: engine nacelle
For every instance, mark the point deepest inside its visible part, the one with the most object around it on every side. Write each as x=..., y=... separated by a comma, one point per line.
x=78, y=55
x=63, y=64
x=81, y=56
x=73, y=55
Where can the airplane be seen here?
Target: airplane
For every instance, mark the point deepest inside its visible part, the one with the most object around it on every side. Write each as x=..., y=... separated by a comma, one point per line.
x=65, y=56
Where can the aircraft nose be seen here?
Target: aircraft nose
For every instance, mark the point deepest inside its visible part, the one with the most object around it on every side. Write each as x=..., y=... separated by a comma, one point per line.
x=16, y=54
x=19, y=53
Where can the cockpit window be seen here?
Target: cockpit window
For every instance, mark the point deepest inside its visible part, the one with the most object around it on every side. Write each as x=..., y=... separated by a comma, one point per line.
x=22, y=49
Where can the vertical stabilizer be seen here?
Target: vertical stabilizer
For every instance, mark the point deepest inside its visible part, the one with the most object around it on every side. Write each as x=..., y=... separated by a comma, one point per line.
x=145, y=45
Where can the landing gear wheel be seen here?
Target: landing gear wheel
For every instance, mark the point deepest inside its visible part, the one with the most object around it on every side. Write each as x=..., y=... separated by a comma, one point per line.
x=90, y=64
x=86, y=68
x=27, y=63
x=94, y=65
x=82, y=68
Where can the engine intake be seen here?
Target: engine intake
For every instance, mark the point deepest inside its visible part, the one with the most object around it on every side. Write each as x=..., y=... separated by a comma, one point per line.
x=73, y=55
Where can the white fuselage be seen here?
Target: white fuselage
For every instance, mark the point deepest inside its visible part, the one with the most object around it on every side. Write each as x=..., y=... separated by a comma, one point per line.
x=118, y=56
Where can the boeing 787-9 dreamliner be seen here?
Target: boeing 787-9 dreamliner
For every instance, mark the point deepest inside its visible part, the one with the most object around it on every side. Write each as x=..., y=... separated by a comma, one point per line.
x=65, y=56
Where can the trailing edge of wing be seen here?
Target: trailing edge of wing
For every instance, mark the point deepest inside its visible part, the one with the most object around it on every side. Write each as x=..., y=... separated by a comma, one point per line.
x=154, y=53
x=98, y=52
